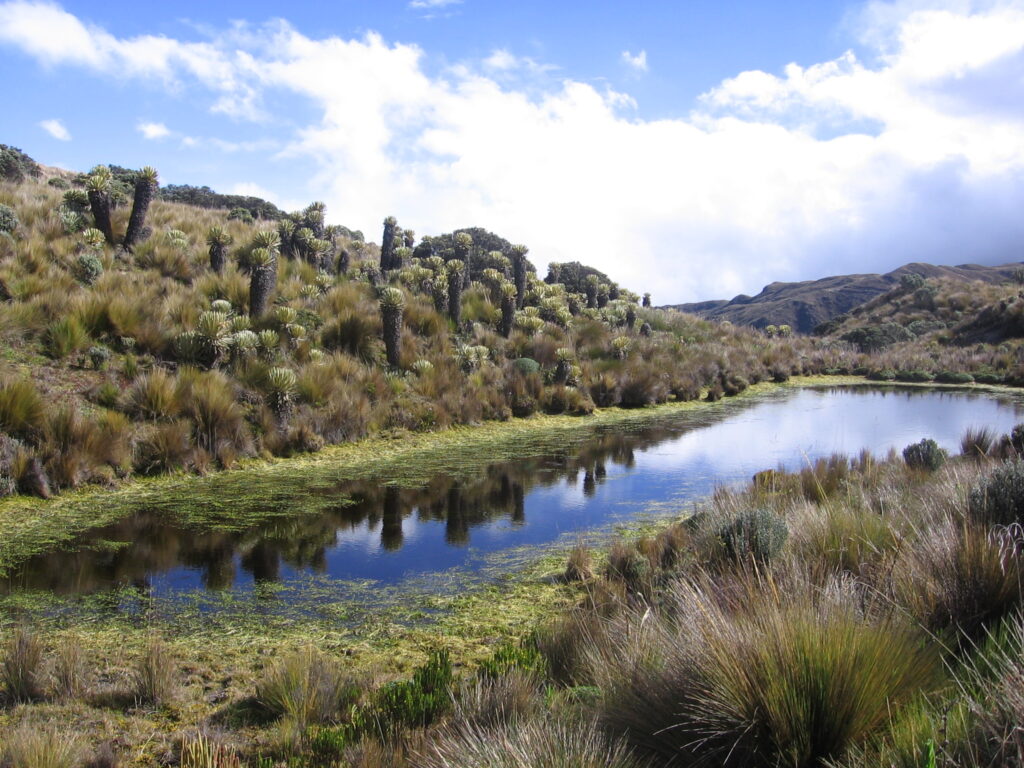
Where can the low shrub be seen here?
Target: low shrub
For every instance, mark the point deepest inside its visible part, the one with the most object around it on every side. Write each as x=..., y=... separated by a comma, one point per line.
x=418, y=702
x=513, y=657
x=989, y=378
x=954, y=377
x=915, y=376
x=755, y=534
x=998, y=499
x=98, y=356
x=526, y=365
x=926, y=455
x=88, y=268
x=8, y=219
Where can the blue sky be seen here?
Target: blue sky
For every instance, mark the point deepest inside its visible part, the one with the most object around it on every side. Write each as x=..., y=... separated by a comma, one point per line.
x=693, y=149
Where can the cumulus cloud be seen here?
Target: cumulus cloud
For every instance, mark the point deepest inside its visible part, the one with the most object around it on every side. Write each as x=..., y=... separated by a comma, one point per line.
x=635, y=61
x=56, y=129
x=153, y=130
x=913, y=150
x=56, y=37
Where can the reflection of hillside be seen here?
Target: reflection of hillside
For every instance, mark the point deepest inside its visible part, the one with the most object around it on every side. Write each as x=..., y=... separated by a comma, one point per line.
x=303, y=542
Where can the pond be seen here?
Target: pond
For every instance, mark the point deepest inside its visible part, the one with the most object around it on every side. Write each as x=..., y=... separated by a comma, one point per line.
x=369, y=535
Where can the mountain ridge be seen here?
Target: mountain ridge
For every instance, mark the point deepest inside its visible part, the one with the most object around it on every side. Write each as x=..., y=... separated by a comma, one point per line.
x=806, y=304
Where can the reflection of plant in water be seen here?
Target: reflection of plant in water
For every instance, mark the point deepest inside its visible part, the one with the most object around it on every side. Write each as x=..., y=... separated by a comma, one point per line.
x=302, y=541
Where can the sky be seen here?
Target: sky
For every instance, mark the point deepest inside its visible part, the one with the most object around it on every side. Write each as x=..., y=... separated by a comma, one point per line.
x=695, y=149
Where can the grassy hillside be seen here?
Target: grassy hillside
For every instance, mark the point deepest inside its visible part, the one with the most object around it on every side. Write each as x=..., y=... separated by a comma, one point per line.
x=214, y=336
x=943, y=325
x=808, y=304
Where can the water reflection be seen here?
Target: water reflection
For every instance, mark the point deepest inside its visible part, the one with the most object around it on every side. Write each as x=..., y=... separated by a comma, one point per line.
x=373, y=530
x=131, y=551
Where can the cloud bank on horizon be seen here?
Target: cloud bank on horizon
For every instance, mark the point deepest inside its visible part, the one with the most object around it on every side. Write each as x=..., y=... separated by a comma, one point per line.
x=911, y=151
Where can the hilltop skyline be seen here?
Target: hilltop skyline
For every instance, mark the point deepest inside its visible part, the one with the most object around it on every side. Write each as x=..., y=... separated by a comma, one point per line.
x=693, y=152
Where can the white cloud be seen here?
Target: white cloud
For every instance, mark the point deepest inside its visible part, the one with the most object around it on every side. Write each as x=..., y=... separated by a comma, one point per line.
x=153, y=130
x=431, y=4
x=503, y=64
x=501, y=59
x=637, y=61
x=252, y=189
x=56, y=37
x=56, y=129
x=912, y=152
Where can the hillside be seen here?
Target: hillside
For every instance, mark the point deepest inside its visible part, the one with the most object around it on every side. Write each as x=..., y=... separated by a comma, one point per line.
x=805, y=305
x=142, y=335
x=941, y=311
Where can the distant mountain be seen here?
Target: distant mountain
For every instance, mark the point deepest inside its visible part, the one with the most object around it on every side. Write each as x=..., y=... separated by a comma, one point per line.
x=807, y=304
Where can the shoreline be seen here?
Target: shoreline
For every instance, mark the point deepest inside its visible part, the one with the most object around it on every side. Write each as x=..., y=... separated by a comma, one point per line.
x=33, y=526
x=222, y=660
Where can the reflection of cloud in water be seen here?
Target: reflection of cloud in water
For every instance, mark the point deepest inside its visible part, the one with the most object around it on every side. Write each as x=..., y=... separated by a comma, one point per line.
x=389, y=534
x=817, y=423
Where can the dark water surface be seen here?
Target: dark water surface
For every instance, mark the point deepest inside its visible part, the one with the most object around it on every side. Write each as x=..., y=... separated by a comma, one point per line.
x=387, y=536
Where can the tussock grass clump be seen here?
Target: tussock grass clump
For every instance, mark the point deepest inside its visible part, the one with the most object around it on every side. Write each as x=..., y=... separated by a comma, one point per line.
x=70, y=671
x=163, y=448
x=64, y=337
x=783, y=675
x=961, y=577
x=998, y=700
x=69, y=441
x=219, y=426
x=485, y=701
x=155, y=677
x=199, y=751
x=306, y=688
x=845, y=539
x=579, y=566
x=977, y=442
x=34, y=747
x=21, y=672
x=535, y=743
x=154, y=396
x=22, y=409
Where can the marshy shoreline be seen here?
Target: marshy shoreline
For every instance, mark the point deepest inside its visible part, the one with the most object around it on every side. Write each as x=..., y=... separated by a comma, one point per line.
x=221, y=663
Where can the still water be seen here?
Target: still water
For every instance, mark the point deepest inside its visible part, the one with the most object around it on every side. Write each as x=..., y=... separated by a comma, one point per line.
x=386, y=536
